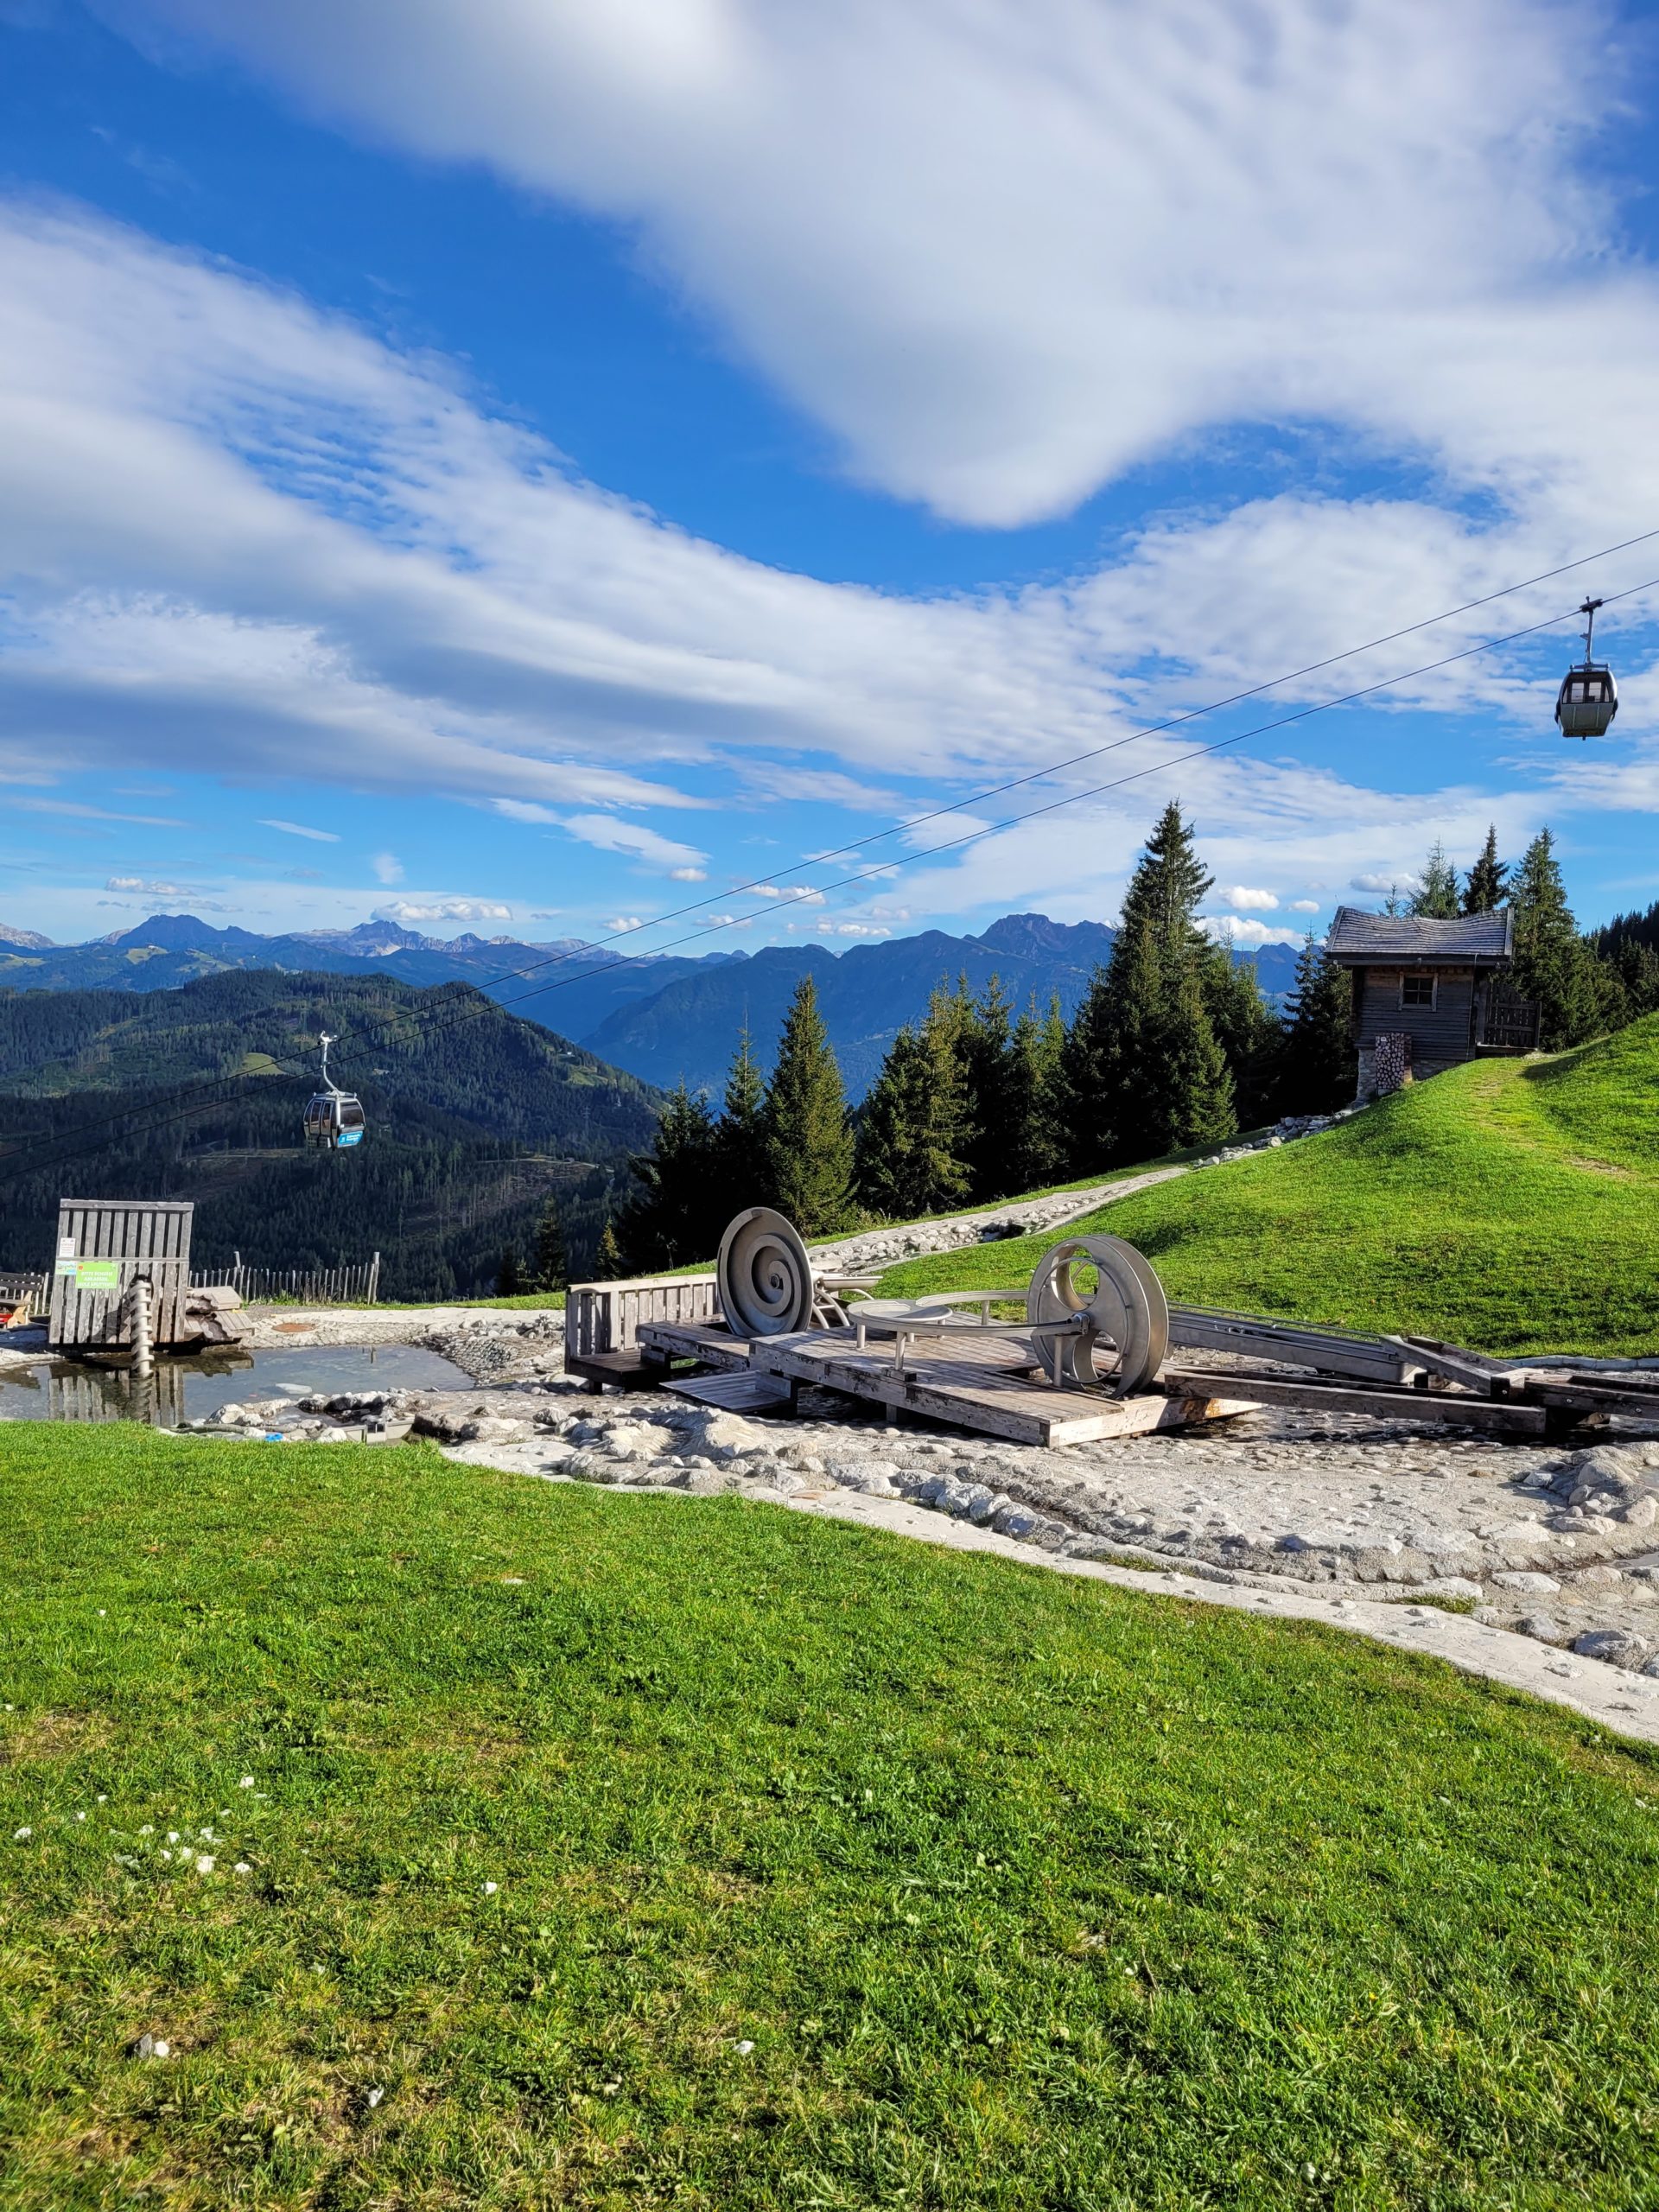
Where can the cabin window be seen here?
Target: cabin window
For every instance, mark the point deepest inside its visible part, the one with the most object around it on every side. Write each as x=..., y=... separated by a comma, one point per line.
x=1417, y=991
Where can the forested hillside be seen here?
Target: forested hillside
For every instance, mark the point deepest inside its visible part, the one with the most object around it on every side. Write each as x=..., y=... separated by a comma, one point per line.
x=474, y=1117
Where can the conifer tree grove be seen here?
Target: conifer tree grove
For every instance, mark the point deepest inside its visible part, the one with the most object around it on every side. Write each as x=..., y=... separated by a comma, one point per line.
x=907, y=1160
x=1039, y=1148
x=549, y=1268
x=1248, y=1031
x=809, y=1146
x=1317, y=1067
x=509, y=1275
x=1485, y=884
x=993, y=1110
x=1435, y=894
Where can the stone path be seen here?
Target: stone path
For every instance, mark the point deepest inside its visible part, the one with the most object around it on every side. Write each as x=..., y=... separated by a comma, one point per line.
x=885, y=1248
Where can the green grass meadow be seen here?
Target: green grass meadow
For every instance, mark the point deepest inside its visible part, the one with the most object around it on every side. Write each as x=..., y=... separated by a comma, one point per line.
x=829, y=1869
x=1510, y=1204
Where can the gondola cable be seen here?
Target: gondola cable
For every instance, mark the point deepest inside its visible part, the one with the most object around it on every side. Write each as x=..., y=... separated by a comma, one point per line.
x=19, y=1165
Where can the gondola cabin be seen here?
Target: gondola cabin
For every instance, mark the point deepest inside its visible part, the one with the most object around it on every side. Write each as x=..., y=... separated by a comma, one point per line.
x=1430, y=994
x=333, y=1121
x=1588, y=698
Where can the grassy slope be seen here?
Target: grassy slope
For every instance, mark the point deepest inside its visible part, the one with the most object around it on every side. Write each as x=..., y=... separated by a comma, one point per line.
x=1512, y=1205
x=1027, y=1892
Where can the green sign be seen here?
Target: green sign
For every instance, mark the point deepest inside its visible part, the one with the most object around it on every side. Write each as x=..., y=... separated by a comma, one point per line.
x=92, y=1275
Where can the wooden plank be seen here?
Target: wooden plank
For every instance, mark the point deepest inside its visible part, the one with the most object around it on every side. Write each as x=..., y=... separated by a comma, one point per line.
x=1573, y=1394
x=971, y=1392
x=710, y=1342
x=1338, y=1352
x=1376, y=1399
x=742, y=1391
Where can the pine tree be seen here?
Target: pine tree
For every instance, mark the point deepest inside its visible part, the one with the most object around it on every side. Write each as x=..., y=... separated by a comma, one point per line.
x=809, y=1146
x=742, y=1162
x=907, y=1160
x=1551, y=963
x=1039, y=1148
x=608, y=1257
x=1436, y=890
x=1485, y=883
x=1144, y=1073
x=1249, y=1033
x=1317, y=1067
x=549, y=1268
x=994, y=1109
x=509, y=1278
x=671, y=1218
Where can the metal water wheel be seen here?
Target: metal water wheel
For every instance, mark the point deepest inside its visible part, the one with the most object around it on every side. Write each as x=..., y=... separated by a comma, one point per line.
x=1113, y=1338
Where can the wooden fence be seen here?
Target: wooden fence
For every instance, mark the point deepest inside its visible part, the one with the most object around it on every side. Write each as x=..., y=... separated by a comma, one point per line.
x=354, y=1285
x=601, y=1317
x=25, y=1294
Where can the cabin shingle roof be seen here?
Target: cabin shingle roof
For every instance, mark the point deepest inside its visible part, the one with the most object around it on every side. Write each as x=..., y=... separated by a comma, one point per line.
x=1360, y=940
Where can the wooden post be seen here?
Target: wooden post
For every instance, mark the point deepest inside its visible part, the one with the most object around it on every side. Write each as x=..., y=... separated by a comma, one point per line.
x=374, y=1279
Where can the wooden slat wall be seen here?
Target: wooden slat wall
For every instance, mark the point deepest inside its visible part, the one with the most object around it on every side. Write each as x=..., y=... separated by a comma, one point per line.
x=1442, y=1035
x=602, y=1317
x=148, y=1238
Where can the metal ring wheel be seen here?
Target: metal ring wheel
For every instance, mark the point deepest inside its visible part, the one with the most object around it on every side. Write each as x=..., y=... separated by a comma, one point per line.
x=764, y=1276
x=1124, y=1340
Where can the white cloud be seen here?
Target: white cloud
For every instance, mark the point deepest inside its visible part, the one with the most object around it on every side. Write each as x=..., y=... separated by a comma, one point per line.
x=408, y=911
x=298, y=830
x=839, y=929
x=74, y=809
x=688, y=875
x=1380, y=880
x=388, y=868
x=1247, y=936
x=1006, y=250
x=1244, y=901
x=148, y=889
x=611, y=836
x=1304, y=907
x=618, y=923
x=801, y=895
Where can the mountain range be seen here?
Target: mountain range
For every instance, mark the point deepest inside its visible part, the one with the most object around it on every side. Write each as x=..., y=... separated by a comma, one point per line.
x=665, y=1018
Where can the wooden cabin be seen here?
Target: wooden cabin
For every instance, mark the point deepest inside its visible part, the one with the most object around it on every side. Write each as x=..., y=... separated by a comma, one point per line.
x=1429, y=994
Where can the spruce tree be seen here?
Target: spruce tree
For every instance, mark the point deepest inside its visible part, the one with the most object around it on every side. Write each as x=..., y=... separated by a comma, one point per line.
x=1317, y=1069
x=742, y=1160
x=608, y=1255
x=907, y=1134
x=1485, y=883
x=1038, y=1148
x=1435, y=892
x=809, y=1145
x=1086, y=1122
x=993, y=1106
x=549, y=1268
x=509, y=1277
x=1552, y=965
x=1249, y=1032
x=673, y=1217
x=1146, y=1074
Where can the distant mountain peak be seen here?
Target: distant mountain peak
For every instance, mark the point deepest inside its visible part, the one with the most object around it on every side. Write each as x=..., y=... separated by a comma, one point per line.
x=30, y=940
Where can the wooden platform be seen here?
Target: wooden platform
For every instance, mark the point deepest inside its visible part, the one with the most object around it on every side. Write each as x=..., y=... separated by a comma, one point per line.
x=745, y=1390
x=983, y=1381
x=708, y=1341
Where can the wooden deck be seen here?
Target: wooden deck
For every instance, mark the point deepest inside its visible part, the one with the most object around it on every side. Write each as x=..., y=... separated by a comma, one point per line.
x=975, y=1378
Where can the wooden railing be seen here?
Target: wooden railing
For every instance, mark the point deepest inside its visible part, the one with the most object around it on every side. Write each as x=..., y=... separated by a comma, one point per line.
x=604, y=1317
x=26, y=1294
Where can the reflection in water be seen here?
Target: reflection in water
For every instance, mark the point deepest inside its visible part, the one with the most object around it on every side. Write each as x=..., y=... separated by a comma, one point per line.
x=181, y=1389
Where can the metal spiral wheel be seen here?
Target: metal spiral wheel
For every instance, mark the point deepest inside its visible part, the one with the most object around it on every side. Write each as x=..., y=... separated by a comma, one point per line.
x=764, y=1276
x=1123, y=1338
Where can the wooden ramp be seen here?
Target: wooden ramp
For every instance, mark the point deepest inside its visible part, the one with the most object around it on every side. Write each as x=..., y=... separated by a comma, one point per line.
x=975, y=1378
x=746, y=1391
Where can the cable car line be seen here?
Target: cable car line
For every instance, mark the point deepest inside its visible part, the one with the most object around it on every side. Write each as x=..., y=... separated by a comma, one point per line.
x=16, y=1164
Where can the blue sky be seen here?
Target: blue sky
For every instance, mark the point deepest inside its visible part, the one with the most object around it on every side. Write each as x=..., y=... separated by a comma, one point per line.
x=528, y=467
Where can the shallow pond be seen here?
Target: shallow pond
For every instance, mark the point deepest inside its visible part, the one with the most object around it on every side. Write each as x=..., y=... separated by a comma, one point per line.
x=185, y=1389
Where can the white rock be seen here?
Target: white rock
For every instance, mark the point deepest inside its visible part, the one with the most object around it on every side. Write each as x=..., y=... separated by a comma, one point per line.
x=1536, y=1585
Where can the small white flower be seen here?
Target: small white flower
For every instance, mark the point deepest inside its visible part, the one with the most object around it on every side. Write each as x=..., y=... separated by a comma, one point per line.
x=167, y=1855
x=375, y=2097
x=172, y=1835
x=23, y=1835
x=204, y=1863
x=103, y=1800
x=744, y=2048
x=490, y=1888
x=242, y=1867
x=246, y=1782
x=147, y=1829
x=80, y=1816
x=102, y=1613
x=206, y=1834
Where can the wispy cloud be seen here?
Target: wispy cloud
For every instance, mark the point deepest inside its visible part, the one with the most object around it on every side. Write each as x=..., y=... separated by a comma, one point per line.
x=77, y=813
x=298, y=830
x=148, y=889
x=388, y=867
